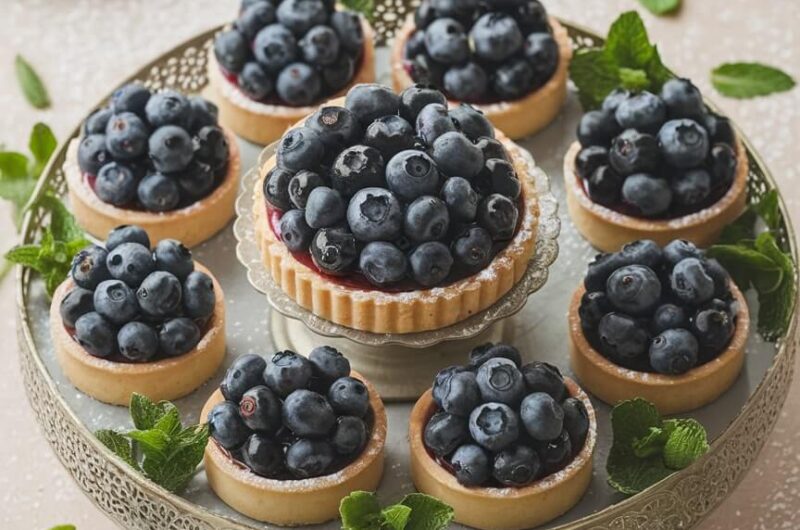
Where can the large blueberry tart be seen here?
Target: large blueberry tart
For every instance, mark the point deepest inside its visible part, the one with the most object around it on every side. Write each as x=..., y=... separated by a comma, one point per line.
x=655, y=166
x=281, y=58
x=158, y=160
x=508, y=445
x=291, y=436
x=135, y=319
x=667, y=324
x=509, y=58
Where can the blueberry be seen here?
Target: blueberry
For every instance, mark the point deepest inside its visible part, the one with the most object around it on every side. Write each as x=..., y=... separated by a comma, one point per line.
x=260, y=409
x=357, y=167
x=720, y=276
x=196, y=181
x=411, y=173
x=131, y=263
x=298, y=85
x=650, y=196
x=337, y=127
x=349, y=396
x=513, y=79
x=634, y=152
x=471, y=465
x=541, y=51
x=491, y=148
x=226, y=426
x=722, y=165
x=199, y=297
x=414, y=98
x=634, y=289
x=127, y=234
x=115, y=301
x=433, y=121
x=382, y=263
x=426, y=219
x=530, y=15
x=95, y=334
x=211, y=147
x=325, y=207
x=458, y=394
x=467, y=82
x=172, y=256
x=472, y=248
x=390, y=135
x=97, y=121
x=440, y=382
x=478, y=356
x=158, y=193
x=431, y=263
x=76, y=303
x=131, y=97
x=683, y=99
x=334, y=250
x=424, y=14
x=231, y=50
x=673, y=352
x=643, y=252
x=690, y=282
x=300, y=148
x=301, y=185
x=494, y=426
x=543, y=377
x=597, y=127
x=301, y=15
x=328, y=364
x=614, y=98
x=500, y=380
x=92, y=153
x=254, y=17
x=307, y=413
x=679, y=249
x=276, y=188
x=178, y=336
x=254, y=81
x=444, y=433
x=446, y=41
x=137, y=341
x=604, y=186
x=474, y=124
x=370, y=101
x=691, y=189
x=274, y=47
x=498, y=214
x=644, y=112
x=349, y=436
x=684, y=143
x=713, y=329
x=294, y=231
x=719, y=128
x=462, y=10
x=554, y=454
x=460, y=198
x=516, y=466
x=375, y=214
x=309, y=458
x=594, y=306
x=126, y=136
x=171, y=148
x=621, y=337
x=287, y=372
x=495, y=37
x=320, y=46
x=159, y=295
x=669, y=316
x=263, y=455
x=89, y=267
x=347, y=26
x=456, y=156
x=600, y=268
x=589, y=159
x=576, y=422
x=246, y=372
x=504, y=178
x=542, y=416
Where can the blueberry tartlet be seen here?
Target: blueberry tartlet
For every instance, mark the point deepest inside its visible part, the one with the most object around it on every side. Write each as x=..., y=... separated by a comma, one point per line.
x=392, y=214
x=509, y=59
x=291, y=436
x=655, y=166
x=131, y=319
x=666, y=324
x=158, y=160
x=507, y=445
x=281, y=58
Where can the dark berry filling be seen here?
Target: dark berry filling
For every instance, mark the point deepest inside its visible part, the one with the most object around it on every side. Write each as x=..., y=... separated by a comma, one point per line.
x=656, y=156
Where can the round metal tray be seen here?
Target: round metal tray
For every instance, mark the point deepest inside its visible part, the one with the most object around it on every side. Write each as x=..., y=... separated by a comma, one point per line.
x=738, y=423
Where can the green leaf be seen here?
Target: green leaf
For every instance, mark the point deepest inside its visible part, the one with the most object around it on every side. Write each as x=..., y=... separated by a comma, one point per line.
x=13, y=165
x=657, y=72
x=768, y=208
x=627, y=42
x=661, y=7
x=741, y=228
x=595, y=75
x=395, y=516
x=776, y=308
x=651, y=444
x=360, y=511
x=25, y=255
x=170, y=422
x=118, y=444
x=427, y=513
x=64, y=527
x=634, y=79
x=174, y=468
x=42, y=143
x=31, y=84
x=62, y=223
x=145, y=413
x=152, y=442
x=365, y=7
x=748, y=80
x=686, y=443
x=633, y=475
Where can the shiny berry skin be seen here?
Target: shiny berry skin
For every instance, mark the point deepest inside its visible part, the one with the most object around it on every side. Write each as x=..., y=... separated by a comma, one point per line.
x=172, y=256
x=301, y=15
x=467, y=82
x=158, y=193
x=479, y=355
x=471, y=465
x=600, y=268
x=159, y=294
x=691, y=189
x=412, y=173
x=325, y=207
x=231, y=50
x=554, y=454
x=274, y=47
x=680, y=249
x=96, y=335
x=431, y=263
x=298, y=85
x=540, y=376
x=300, y=148
x=496, y=37
x=89, y=267
x=328, y=364
x=246, y=372
x=131, y=263
x=414, y=98
x=309, y=458
x=713, y=329
x=226, y=426
x=634, y=289
x=494, y=426
x=513, y=79
x=375, y=214
x=597, y=127
x=722, y=167
x=460, y=198
x=347, y=26
x=334, y=250
x=426, y=219
x=390, y=135
x=260, y=410
x=287, y=372
x=541, y=51
x=199, y=297
x=682, y=99
x=530, y=15
x=650, y=196
x=459, y=394
x=594, y=306
x=668, y=316
x=276, y=184
x=263, y=455
x=92, y=153
x=444, y=433
x=300, y=187
x=370, y=101
x=500, y=380
x=440, y=382
x=446, y=41
x=295, y=232
x=673, y=352
x=97, y=121
x=126, y=136
x=516, y=466
x=383, y=263
x=336, y=126
x=168, y=107
x=211, y=147
x=634, y=152
x=307, y=413
x=114, y=300
x=76, y=303
x=644, y=112
x=320, y=46
x=349, y=396
x=604, y=186
x=254, y=81
x=690, y=282
x=719, y=129
x=504, y=178
x=643, y=252
x=576, y=422
x=349, y=435
x=589, y=159
x=358, y=167
x=196, y=181
x=170, y=148
x=472, y=248
x=498, y=214
x=492, y=148
x=542, y=416
x=433, y=121
x=131, y=97
x=178, y=336
x=614, y=98
x=254, y=17
x=473, y=123
x=137, y=341
x=621, y=337
x=684, y=143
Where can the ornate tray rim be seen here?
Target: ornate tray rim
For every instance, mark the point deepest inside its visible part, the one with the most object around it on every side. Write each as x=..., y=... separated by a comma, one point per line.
x=681, y=500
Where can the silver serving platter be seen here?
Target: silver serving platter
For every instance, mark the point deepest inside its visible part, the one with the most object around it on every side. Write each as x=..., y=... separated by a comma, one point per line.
x=738, y=423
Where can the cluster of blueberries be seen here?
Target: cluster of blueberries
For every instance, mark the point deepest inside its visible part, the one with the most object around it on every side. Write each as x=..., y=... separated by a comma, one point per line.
x=395, y=187
x=501, y=423
x=652, y=309
x=482, y=51
x=292, y=417
x=656, y=156
x=156, y=151
x=295, y=51
x=137, y=303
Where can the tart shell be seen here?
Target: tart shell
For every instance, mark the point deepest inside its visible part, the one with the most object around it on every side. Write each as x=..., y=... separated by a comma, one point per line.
x=671, y=394
x=518, y=118
x=166, y=379
x=502, y=508
x=608, y=230
x=377, y=311
x=263, y=123
x=296, y=502
x=190, y=225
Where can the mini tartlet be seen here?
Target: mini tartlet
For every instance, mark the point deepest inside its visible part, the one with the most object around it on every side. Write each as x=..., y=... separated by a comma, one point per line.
x=291, y=501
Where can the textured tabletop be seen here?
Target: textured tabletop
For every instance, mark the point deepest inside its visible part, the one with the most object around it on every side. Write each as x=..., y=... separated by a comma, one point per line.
x=82, y=48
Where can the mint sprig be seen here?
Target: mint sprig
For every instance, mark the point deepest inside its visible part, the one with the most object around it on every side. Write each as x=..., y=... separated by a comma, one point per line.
x=31, y=84
x=646, y=449
x=159, y=447
x=365, y=7
x=361, y=511
x=749, y=80
x=628, y=59
x=661, y=7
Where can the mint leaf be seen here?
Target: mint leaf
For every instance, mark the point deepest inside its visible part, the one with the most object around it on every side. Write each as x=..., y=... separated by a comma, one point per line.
x=748, y=80
x=64, y=527
x=661, y=7
x=686, y=443
x=170, y=422
x=25, y=255
x=174, y=467
x=427, y=513
x=41, y=143
x=145, y=413
x=360, y=511
x=651, y=444
x=631, y=420
x=13, y=165
x=627, y=42
x=776, y=308
x=152, y=442
x=31, y=84
x=657, y=72
x=595, y=74
x=365, y=7
x=118, y=444
x=633, y=79
x=62, y=222
x=768, y=208
x=395, y=516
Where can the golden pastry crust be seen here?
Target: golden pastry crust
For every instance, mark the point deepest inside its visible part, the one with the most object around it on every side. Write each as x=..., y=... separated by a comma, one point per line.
x=191, y=225
x=518, y=118
x=165, y=379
